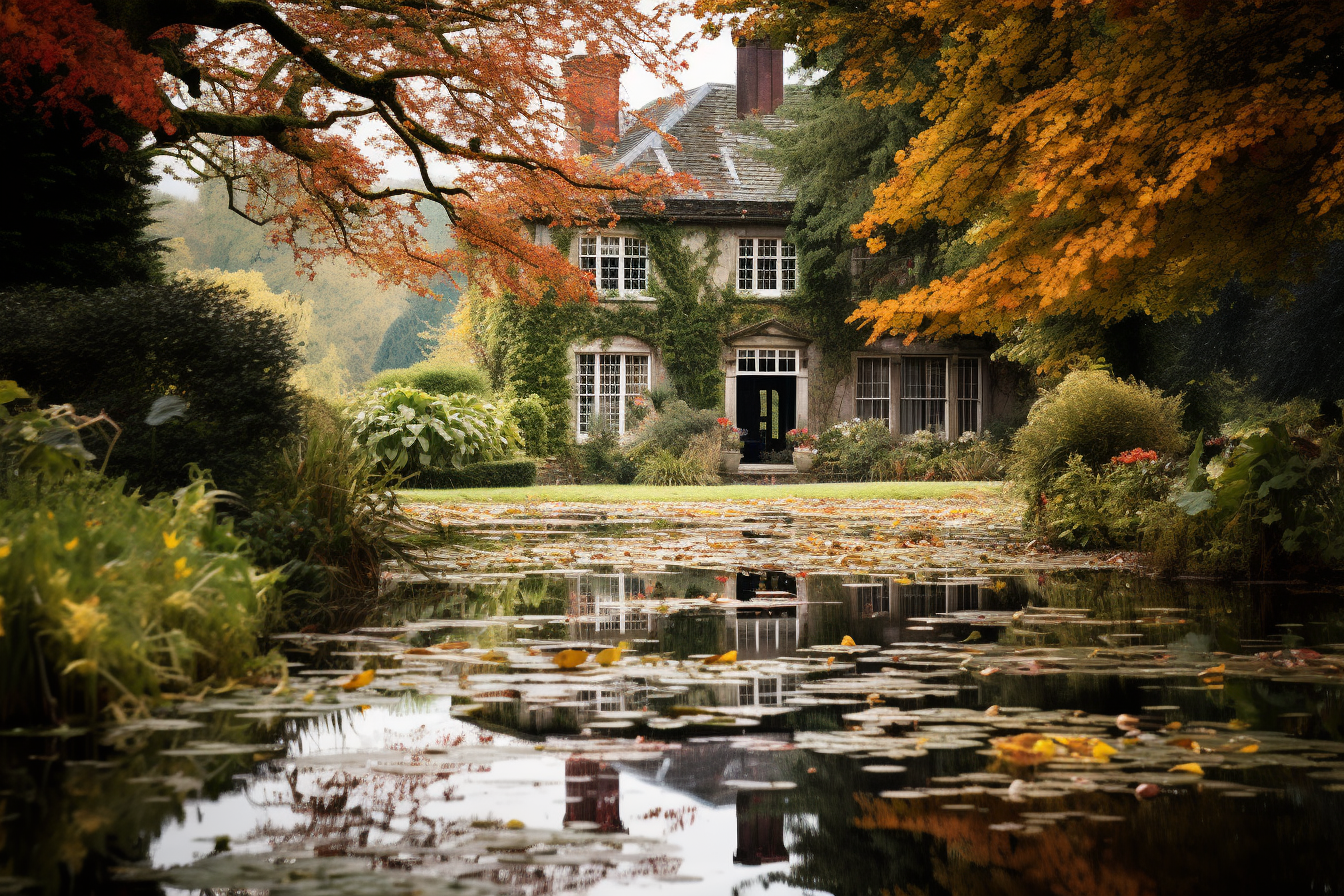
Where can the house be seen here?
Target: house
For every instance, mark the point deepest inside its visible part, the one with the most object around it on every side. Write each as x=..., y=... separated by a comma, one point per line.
x=741, y=211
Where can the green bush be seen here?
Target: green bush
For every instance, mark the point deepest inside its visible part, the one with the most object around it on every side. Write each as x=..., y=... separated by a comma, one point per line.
x=325, y=520
x=601, y=458
x=1115, y=506
x=1095, y=416
x=111, y=600
x=671, y=429
x=858, y=450
x=433, y=377
x=697, y=464
x=529, y=415
x=408, y=430
x=119, y=350
x=515, y=473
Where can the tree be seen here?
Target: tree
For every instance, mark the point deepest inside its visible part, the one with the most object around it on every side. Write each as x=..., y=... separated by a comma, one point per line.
x=295, y=105
x=409, y=338
x=1108, y=158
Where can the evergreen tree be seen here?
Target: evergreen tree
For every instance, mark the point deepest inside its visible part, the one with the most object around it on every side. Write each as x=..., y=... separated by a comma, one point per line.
x=404, y=343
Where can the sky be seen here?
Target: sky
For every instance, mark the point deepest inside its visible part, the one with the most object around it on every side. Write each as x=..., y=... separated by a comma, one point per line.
x=711, y=61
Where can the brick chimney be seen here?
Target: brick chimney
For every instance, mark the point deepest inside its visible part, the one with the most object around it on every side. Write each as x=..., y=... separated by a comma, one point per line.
x=760, y=78
x=593, y=100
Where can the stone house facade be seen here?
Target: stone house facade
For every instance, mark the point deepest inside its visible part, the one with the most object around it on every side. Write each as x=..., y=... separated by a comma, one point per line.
x=743, y=207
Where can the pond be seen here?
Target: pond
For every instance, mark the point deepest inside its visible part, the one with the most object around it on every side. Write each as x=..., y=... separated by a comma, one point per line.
x=985, y=729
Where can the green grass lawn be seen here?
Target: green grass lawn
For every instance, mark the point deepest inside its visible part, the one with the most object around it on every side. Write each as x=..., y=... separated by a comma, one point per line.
x=620, y=494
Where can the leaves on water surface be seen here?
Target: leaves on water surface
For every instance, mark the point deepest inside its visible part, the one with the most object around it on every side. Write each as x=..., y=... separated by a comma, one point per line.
x=357, y=680
x=608, y=656
x=728, y=657
x=570, y=659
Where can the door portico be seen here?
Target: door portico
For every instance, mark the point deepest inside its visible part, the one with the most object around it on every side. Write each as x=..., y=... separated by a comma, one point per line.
x=765, y=389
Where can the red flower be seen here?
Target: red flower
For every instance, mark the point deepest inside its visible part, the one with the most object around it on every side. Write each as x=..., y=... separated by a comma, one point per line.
x=1134, y=455
x=724, y=421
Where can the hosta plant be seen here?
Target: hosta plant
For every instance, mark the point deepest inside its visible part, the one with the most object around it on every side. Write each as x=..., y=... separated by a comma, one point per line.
x=408, y=430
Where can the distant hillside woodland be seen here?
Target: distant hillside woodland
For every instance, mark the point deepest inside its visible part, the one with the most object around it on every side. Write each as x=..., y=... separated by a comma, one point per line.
x=353, y=326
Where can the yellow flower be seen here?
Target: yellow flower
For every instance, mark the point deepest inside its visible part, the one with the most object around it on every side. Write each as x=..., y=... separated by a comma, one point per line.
x=5, y=550
x=180, y=568
x=2, y=617
x=170, y=540
x=85, y=619
x=72, y=543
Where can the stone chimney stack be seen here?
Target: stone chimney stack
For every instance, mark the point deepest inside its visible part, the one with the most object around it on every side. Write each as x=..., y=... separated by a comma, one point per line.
x=593, y=100
x=760, y=78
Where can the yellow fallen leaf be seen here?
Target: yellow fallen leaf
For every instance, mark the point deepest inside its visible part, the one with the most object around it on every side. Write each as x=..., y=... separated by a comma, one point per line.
x=1215, y=670
x=309, y=696
x=453, y=645
x=608, y=656
x=494, y=656
x=729, y=657
x=420, y=651
x=569, y=659
x=973, y=636
x=1238, y=724
x=357, y=681
x=1249, y=748
x=830, y=660
x=1193, y=768
x=515, y=825
x=1102, y=750
x=846, y=641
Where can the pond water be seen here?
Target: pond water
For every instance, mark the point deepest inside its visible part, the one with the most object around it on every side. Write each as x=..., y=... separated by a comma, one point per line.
x=916, y=732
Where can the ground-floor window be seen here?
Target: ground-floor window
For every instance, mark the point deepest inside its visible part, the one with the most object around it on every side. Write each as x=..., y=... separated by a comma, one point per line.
x=606, y=383
x=968, y=395
x=872, y=390
x=923, y=394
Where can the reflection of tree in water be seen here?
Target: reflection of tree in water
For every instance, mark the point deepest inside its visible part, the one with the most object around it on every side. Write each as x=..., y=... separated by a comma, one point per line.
x=391, y=818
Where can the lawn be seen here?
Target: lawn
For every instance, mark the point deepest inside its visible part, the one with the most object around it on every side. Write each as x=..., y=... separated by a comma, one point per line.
x=621, y=494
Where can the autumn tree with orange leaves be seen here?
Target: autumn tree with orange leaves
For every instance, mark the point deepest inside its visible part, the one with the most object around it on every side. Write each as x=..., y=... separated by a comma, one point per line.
x=1105, y=158
x=300, y=106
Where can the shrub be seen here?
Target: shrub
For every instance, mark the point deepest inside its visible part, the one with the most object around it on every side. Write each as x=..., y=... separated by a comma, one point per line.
x=971, y=458
x=601, y=458
x=529, y=415
x=433, y=377
x=119, y=350
x=696, y=465
x=516, y=473
x=671, y=429
x=1095, y=416
x=408, y=430
x=324, y=518
x=1111, y=507
x=857, y=450
x=111, y=600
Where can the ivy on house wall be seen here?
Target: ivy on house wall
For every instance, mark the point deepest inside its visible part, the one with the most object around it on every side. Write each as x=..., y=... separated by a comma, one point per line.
x=526, y=348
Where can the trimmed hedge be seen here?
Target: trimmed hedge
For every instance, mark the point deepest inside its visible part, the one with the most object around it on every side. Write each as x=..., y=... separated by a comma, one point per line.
x=434, y=378
x=490, y=474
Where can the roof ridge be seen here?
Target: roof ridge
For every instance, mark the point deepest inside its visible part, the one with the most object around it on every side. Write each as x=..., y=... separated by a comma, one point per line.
x=653, y=139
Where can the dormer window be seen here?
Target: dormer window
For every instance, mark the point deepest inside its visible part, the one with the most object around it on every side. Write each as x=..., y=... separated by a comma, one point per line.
x=616, y=263
x=766, y=266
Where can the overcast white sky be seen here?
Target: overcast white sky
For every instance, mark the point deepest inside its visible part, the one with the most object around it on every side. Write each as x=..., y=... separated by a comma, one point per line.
x=712, y=61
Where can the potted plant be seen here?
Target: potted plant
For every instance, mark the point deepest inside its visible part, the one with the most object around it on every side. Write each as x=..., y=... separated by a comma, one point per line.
x=804, y=448
x=730, y=450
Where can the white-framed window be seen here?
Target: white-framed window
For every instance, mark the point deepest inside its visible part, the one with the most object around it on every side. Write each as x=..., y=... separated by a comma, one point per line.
x=872, y=389
x=968, y=395
x=767, y=360
x=923, y=395
x=767, y=265
x=606, y=384
x=616, y=263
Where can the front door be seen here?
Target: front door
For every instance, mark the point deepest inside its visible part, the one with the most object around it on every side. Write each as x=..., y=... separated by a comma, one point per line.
x=765, y=409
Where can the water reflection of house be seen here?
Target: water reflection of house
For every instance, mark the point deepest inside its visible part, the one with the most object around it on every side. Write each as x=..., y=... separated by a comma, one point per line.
x=593, y=794
x=602, y=604
x=885, y=597
x=760, y=829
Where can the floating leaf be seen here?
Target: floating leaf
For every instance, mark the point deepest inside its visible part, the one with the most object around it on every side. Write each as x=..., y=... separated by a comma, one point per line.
x=608, y=656
x=453, y=645
x=729, y=657
x=570, y=659
x=846, y=641
x=357, y=681
x=1193, y=768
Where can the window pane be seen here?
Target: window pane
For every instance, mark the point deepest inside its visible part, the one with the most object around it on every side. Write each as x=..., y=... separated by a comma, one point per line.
x=788, y=267
x=788, y=361
x=636, y=265
x=636, y=375
x=611, y=263
x=767, y=264
x=588, y=254
x=587, y=389
x=609, y=390
x=872, y=390
x=968, y=395
x=745, y=263
x=746, y=360
x=924, y=394
x=765, y=363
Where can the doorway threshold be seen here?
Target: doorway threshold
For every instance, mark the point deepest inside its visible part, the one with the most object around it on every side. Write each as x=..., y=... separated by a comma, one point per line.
x=767, y=469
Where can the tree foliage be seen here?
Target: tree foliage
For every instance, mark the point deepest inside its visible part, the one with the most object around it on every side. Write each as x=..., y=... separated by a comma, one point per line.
x=300, y=106
x=1108, y=158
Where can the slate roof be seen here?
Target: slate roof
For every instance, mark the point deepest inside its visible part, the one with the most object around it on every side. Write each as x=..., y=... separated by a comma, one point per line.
x=713, y=151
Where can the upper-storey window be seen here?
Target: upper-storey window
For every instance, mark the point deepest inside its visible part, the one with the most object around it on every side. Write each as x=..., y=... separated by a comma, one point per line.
x=766, y=265
x=616, y=263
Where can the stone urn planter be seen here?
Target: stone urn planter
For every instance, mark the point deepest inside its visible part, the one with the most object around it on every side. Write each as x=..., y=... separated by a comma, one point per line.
x=803, y=460
x=729, y=460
